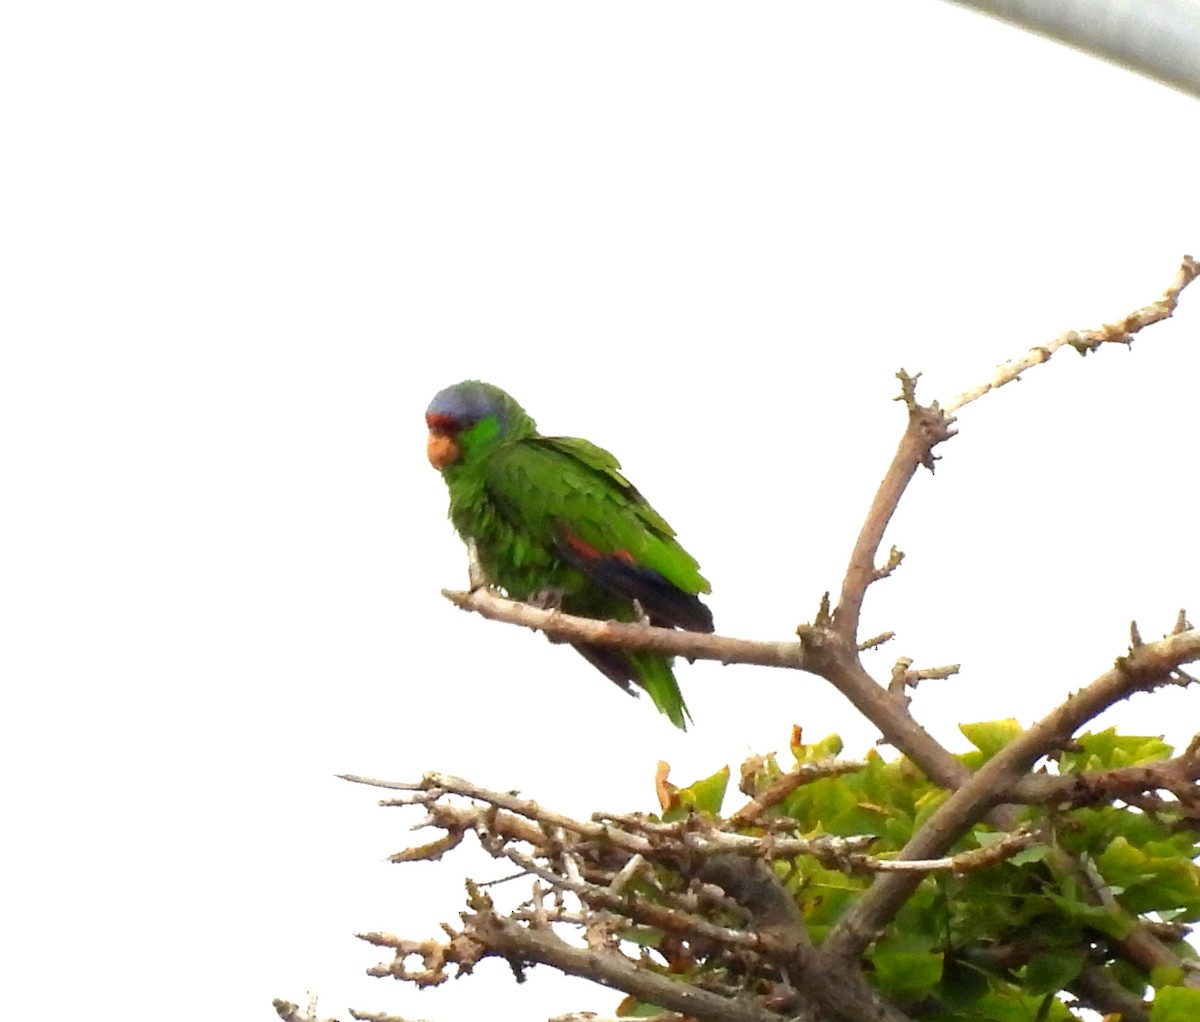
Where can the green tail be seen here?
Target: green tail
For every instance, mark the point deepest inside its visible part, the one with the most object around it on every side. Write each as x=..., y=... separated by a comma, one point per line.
x=656, y=677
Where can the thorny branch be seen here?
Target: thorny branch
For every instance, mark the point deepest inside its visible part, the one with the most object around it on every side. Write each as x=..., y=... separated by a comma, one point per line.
x=591, y=863
x=669, y=843
x=606, y=875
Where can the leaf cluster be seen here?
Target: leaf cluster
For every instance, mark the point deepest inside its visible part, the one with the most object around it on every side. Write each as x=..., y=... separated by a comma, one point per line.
x=1006, y=941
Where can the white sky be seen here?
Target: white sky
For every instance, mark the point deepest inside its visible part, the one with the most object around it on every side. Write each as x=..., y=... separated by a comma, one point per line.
x=244, y=244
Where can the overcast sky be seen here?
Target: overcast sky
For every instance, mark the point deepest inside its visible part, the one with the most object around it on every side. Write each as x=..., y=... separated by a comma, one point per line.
x=244, y=243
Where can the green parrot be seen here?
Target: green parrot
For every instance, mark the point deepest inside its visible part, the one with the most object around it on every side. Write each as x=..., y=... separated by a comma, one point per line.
x=552, y=520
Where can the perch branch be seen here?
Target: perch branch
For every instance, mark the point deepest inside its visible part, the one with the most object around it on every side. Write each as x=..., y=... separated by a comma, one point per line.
x=819, y=652
x=567, y=628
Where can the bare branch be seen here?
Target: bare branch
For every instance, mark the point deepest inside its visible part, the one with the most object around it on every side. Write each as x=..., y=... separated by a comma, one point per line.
x=594, y=860
x=521, y=944
x=926, y=428
x=875, y=641
x=567, y=628
x=430, y=852
x=1120, y=332
x=904, y=677
x=680, y=840
x=434, y=958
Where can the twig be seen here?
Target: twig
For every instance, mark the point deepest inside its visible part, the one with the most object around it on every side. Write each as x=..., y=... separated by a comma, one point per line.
x=783, y=786
x=903, y=677
x=875, y=641
x=1120, y=332
x=290, y=1012
x=503, y=800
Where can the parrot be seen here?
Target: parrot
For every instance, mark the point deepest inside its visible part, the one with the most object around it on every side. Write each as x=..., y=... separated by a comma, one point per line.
x=552, y=521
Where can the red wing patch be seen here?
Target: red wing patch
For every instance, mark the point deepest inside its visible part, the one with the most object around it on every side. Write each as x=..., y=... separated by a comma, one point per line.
x=591, y=553
x=585, y=550
x=619, y=573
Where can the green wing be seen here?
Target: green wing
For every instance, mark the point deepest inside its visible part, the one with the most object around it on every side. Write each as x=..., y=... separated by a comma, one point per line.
x=579, y=525
x=570, y=495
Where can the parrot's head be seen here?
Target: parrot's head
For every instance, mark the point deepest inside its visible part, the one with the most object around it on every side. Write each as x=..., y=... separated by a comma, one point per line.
x=470, y=418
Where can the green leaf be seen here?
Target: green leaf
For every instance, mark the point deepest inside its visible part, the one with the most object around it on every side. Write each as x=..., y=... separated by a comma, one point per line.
x=963, y=983
x=642, y=936
x=827, y=748
x=1035, y=853
x=704, y=796
x=1106, y=920
x=1166, y=976
x=1176, y=1004
x=824, y=895
x=1050, y=971
x=1153, y=877
x=1122, y=864
x=907, y=973
x=1000, y=1006
x=927, y=805
x=1104, y=750
x=990, y=736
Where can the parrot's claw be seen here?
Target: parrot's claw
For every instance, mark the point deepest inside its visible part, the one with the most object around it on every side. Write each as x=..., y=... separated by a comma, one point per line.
x=549, y=598
x=639, y=614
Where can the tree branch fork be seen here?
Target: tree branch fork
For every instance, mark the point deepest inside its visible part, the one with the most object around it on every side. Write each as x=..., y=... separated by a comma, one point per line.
x=598, y=877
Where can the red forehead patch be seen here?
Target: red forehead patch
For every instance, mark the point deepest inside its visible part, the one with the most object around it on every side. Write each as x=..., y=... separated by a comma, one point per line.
x=441, y=423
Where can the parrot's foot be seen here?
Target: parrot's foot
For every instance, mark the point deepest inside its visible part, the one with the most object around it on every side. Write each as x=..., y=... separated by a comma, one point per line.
x=640, y=616
x=547, y=598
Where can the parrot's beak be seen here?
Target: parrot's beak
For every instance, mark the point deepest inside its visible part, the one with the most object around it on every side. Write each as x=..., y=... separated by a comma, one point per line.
x=441, y=450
